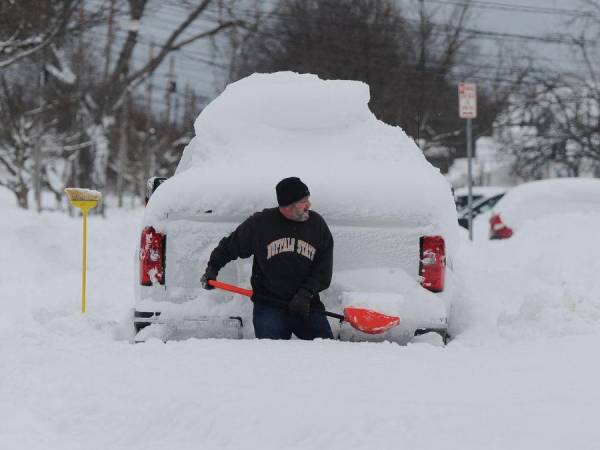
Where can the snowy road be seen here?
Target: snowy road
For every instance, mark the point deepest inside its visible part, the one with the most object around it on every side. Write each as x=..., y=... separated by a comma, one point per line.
x=87, y=392
x=522, y=372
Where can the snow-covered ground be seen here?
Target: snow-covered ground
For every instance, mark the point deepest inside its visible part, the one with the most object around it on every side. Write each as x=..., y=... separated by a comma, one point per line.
x=521, y=373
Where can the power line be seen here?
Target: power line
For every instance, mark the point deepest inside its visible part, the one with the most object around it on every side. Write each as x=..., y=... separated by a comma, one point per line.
x=248, y=14
x=498, y=36
x=209, y=59
x=512, y=8
x=175, y=19
x=494, y=80
x=440, y=27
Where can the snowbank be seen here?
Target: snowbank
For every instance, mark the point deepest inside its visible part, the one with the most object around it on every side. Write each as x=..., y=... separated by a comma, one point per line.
x=542, y=282
x=530, y=201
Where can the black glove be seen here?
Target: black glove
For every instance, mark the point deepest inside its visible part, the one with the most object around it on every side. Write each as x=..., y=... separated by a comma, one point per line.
x=209, y=274
x=300, y=303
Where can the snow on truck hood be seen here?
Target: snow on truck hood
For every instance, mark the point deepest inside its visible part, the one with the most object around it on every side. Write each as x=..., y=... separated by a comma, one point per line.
x=269, y=126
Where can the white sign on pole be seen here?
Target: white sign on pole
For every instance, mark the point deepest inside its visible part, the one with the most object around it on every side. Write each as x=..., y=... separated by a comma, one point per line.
x=467, y=100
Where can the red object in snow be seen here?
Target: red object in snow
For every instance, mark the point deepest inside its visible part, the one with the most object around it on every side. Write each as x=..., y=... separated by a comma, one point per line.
x=432, y=263
x=498, y=230
x=152, y=257
x=369, y=321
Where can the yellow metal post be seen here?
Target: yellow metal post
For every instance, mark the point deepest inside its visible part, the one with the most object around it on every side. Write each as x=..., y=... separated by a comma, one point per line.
x=83, y=199
x=85, y=211
x=85, y=206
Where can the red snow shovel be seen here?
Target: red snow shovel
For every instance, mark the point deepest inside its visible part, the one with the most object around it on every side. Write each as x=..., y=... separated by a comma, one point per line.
x=365, y=320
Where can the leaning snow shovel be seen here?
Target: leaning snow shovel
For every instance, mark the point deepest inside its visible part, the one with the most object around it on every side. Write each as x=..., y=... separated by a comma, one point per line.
x=365, y=320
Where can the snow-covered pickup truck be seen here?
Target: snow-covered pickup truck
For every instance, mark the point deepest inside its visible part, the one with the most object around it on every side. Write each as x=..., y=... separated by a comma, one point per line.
x=391, y=213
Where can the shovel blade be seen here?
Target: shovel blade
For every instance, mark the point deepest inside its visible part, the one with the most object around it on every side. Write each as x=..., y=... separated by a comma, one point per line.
x=369, y=321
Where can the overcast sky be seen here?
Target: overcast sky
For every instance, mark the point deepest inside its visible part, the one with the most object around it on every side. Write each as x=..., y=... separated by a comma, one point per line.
x=527, y=17
x=524, y=17
x=538, y=20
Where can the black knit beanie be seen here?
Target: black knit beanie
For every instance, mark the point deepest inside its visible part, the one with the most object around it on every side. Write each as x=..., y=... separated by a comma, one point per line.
x=290, y=190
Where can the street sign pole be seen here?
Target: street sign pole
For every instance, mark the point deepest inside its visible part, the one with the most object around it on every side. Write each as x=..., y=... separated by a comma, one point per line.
x=470, y=176
x=467, y=109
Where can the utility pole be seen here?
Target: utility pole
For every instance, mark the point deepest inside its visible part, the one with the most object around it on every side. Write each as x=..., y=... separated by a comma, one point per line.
x=171, y=88
x=109, y=39
x=123, y=145
x=421, y=70
x=148, y=151
x=176, y=111
x=37, y=145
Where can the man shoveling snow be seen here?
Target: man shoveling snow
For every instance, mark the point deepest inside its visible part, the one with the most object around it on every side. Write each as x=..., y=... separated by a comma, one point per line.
x=293, y=261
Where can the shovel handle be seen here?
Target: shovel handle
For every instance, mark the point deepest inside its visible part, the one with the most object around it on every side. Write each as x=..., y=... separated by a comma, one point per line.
x=249, y=293
x=230, y=288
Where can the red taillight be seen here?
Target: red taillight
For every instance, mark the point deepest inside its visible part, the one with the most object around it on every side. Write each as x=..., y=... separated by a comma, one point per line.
x=152, y=257
x=497, y=228
x=432, y=265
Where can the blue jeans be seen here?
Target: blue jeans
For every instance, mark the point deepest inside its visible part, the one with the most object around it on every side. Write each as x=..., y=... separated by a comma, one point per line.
x=271, y=322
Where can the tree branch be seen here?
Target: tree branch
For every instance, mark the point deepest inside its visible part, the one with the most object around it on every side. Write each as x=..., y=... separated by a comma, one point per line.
x=65, y=16
x=171, y=45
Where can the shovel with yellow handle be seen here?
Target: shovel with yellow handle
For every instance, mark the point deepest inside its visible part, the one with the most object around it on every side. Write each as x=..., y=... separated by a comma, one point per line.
x=84, y=199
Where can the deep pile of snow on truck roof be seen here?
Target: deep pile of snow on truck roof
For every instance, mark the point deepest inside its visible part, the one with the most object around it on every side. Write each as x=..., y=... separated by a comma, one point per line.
x=270, y=126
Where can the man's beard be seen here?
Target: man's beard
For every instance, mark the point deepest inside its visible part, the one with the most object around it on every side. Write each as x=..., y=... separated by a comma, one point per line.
x=301, y=217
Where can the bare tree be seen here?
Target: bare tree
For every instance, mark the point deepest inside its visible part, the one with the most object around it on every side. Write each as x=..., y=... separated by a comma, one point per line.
x=27, y=126
x=103, y=106
x=17, y=136
x=553, y=126
x=77, y=113
x=410, y=58
x=29, y=26
x=552, y=129
x=366, y=40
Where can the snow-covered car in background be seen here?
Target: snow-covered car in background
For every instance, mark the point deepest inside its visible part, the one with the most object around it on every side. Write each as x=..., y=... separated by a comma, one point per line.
x=481, y=206
x=478, y=193
x=390, y=211
x=544, y=198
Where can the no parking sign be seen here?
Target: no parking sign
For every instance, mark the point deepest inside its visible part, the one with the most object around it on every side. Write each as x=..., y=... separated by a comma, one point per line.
x=467, y=100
